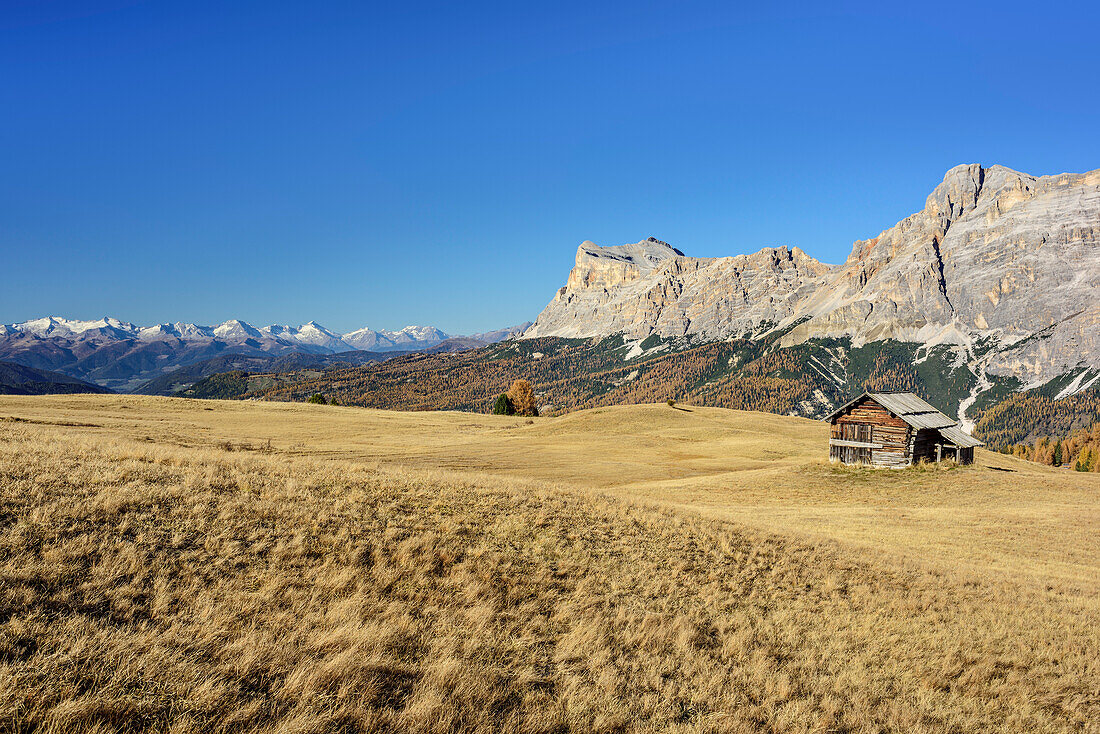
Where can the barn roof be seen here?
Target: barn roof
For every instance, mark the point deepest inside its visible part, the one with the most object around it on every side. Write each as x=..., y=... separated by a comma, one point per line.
x=959, y=437
x=905, y=405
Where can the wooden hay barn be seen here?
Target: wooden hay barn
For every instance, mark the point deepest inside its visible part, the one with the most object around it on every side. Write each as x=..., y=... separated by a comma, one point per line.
x=896, y=429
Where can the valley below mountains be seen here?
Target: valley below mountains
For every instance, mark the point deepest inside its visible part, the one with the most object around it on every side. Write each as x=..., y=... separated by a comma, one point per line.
x=986, y=302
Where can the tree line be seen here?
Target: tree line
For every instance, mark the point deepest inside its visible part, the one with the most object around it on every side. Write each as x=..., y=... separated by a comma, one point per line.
x=1080, y=450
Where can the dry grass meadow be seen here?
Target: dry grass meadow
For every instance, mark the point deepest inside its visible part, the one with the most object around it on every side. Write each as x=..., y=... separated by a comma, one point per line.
x=194, y=566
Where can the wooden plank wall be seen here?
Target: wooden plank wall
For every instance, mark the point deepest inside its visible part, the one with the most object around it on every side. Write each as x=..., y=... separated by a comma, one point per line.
x=893, y=433
x=850, y=454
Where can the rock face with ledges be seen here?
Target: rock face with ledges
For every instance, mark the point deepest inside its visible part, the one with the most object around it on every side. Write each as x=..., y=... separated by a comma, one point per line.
x=996, y=256
x=650, y=287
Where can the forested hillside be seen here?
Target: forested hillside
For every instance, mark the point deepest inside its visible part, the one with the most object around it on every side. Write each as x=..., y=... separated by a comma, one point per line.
x=1079, y=450
x=808, y=379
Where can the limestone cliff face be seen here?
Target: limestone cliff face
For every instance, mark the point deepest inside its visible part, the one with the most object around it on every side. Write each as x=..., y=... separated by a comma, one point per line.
x=996, y=257
x=650, y=287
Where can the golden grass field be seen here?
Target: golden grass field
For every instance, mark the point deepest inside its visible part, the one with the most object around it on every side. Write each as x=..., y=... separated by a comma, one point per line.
x=176, y=565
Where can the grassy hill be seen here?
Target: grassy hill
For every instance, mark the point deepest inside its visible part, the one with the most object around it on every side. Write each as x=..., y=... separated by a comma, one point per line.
x=208, y=565
x=808, y=379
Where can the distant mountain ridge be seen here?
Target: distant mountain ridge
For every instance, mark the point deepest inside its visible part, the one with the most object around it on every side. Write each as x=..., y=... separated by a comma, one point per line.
x=182, y=378
x=310, y=336
x=123, y=356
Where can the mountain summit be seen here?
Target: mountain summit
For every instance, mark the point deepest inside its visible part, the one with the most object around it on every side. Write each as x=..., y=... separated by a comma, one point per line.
x=996, y=256
x=650, y=287
x=1002, y=267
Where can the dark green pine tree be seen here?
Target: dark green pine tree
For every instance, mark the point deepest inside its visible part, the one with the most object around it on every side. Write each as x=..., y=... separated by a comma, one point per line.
x=503, y=406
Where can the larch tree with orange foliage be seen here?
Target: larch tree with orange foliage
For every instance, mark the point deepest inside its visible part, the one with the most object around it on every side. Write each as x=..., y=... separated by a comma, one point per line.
x=522, y=396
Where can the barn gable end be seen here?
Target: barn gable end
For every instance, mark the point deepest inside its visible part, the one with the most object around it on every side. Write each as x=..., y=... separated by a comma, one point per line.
x=886, y=434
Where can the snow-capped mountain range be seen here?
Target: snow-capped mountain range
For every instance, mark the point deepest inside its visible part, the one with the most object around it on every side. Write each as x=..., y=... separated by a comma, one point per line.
x=310, y=336
x=123, y=356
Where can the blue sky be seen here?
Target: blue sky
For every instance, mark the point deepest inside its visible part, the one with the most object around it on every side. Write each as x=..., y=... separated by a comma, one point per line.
x=377, y=164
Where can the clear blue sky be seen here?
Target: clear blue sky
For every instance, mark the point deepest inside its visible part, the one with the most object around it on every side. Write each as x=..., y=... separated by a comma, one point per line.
x=382, y=164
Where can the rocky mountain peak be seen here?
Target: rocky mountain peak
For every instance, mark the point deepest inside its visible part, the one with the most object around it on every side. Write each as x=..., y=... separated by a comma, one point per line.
x=610, y=266
x=652, y=287
x=968, y=187
x=957, y=193
x=784, y=257
x=645, y=254
x=995, y=256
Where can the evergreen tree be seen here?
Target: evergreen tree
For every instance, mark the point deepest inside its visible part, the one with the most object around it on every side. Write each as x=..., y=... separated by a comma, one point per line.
x=317, y=398
x=503, y=406
x=1056, y=460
